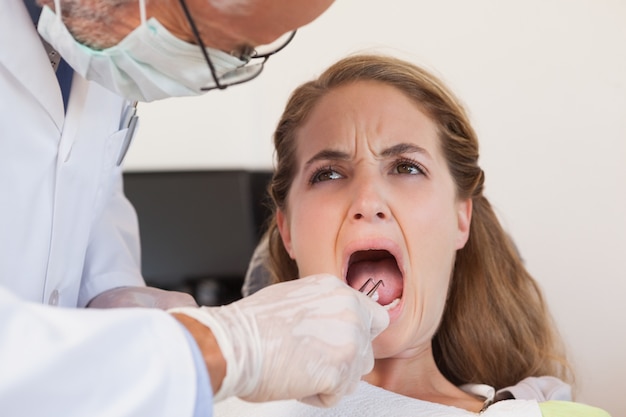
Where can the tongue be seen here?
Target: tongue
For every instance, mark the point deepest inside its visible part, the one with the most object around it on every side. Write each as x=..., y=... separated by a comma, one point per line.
x=385, y=269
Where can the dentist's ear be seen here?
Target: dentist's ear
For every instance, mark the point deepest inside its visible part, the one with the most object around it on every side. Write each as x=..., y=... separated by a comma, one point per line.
x=464, y=219
x=282, y=222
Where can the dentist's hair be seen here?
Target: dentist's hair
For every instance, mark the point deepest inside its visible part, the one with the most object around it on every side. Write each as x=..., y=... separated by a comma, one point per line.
x=496, y=328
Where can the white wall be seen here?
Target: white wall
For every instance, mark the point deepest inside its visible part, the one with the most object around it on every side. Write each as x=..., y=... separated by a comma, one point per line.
x=545, y=84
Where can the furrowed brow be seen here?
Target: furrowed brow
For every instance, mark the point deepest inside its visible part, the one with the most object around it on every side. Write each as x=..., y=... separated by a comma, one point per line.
x=328, y=154
x=402, y=148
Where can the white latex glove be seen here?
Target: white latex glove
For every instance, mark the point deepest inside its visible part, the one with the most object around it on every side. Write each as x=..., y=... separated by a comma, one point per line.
x=308, y=339
x=148, y=297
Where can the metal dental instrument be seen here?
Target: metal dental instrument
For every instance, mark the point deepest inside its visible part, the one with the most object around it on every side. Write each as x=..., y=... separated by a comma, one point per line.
x=371, y=292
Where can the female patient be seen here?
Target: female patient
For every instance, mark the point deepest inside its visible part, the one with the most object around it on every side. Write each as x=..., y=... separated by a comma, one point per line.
x=377, y=178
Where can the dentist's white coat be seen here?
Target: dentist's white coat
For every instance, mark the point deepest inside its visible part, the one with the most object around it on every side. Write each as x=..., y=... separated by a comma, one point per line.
x=67, y=233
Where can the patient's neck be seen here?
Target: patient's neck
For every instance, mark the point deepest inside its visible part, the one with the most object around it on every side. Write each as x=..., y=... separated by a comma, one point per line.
x=417, y=376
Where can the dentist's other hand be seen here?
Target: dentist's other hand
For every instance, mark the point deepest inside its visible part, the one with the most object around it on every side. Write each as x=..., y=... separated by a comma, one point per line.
x=308, y=339
x=147, y=297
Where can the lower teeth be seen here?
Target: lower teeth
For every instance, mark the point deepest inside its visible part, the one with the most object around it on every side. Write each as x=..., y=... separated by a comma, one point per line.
x=392, y=304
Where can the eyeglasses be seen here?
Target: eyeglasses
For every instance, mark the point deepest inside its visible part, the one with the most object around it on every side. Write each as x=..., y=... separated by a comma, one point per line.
x=238, y=75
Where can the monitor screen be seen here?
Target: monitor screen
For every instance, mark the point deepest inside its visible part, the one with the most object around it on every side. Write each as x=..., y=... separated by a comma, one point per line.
x=197, y=225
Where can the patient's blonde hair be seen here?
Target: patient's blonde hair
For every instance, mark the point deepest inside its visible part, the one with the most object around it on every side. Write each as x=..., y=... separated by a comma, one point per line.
x=496, y=328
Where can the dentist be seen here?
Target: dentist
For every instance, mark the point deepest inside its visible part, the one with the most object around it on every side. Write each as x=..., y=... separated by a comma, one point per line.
x=69, y=79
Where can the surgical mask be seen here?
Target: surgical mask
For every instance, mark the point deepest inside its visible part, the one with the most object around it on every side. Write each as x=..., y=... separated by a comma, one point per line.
x=148, y=64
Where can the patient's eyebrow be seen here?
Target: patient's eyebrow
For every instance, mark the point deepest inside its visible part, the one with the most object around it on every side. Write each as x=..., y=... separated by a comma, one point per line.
x=402, y=148
x=328, y=154
x=336, y=155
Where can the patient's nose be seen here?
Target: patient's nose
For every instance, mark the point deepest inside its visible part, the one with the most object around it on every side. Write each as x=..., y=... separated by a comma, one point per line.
x=369, y=203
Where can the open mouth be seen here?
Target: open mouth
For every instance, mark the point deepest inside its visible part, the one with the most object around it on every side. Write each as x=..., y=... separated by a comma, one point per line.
x=376, y=265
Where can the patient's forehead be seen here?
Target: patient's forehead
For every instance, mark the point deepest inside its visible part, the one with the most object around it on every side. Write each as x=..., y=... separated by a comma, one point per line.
x=372, y=111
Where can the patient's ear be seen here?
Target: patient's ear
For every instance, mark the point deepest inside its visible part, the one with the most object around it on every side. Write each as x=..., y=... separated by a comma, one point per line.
x=282, y=221
x=464, y=219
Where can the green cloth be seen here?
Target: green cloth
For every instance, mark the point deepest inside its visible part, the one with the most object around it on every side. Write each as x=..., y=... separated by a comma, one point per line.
x=570, y=409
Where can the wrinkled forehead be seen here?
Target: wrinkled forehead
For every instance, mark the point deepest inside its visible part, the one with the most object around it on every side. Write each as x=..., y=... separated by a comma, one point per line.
x=364, y=113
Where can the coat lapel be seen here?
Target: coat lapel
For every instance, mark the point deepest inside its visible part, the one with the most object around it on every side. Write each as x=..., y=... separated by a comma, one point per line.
x=25, y=58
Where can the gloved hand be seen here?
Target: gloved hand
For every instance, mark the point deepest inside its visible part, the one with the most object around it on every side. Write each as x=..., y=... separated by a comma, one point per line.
x=148, y=297
x=308, y=339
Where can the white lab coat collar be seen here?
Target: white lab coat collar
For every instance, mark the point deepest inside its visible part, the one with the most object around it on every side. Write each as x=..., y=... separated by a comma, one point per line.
x=16, y=55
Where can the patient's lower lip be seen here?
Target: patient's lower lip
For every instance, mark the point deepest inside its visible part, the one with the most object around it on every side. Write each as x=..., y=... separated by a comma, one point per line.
x=394, y=308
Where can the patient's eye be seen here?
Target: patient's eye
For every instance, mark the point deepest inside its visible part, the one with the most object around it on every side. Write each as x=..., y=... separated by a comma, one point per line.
x=409, y=166
x=326, y=173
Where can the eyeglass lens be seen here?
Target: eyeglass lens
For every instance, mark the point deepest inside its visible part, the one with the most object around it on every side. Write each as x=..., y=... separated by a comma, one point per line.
x=238, y=75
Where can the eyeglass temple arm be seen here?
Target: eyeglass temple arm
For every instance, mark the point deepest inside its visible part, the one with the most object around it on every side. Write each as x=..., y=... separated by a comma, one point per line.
x=196, y=35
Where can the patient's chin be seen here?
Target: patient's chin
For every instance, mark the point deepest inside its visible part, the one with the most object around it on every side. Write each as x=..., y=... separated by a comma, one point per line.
x=385, y=345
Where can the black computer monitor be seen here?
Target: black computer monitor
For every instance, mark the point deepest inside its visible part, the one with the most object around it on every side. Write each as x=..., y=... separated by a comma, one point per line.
x=197, y=226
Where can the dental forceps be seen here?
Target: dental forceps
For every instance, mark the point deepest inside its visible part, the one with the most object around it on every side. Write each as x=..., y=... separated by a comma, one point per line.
x=371, y=292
